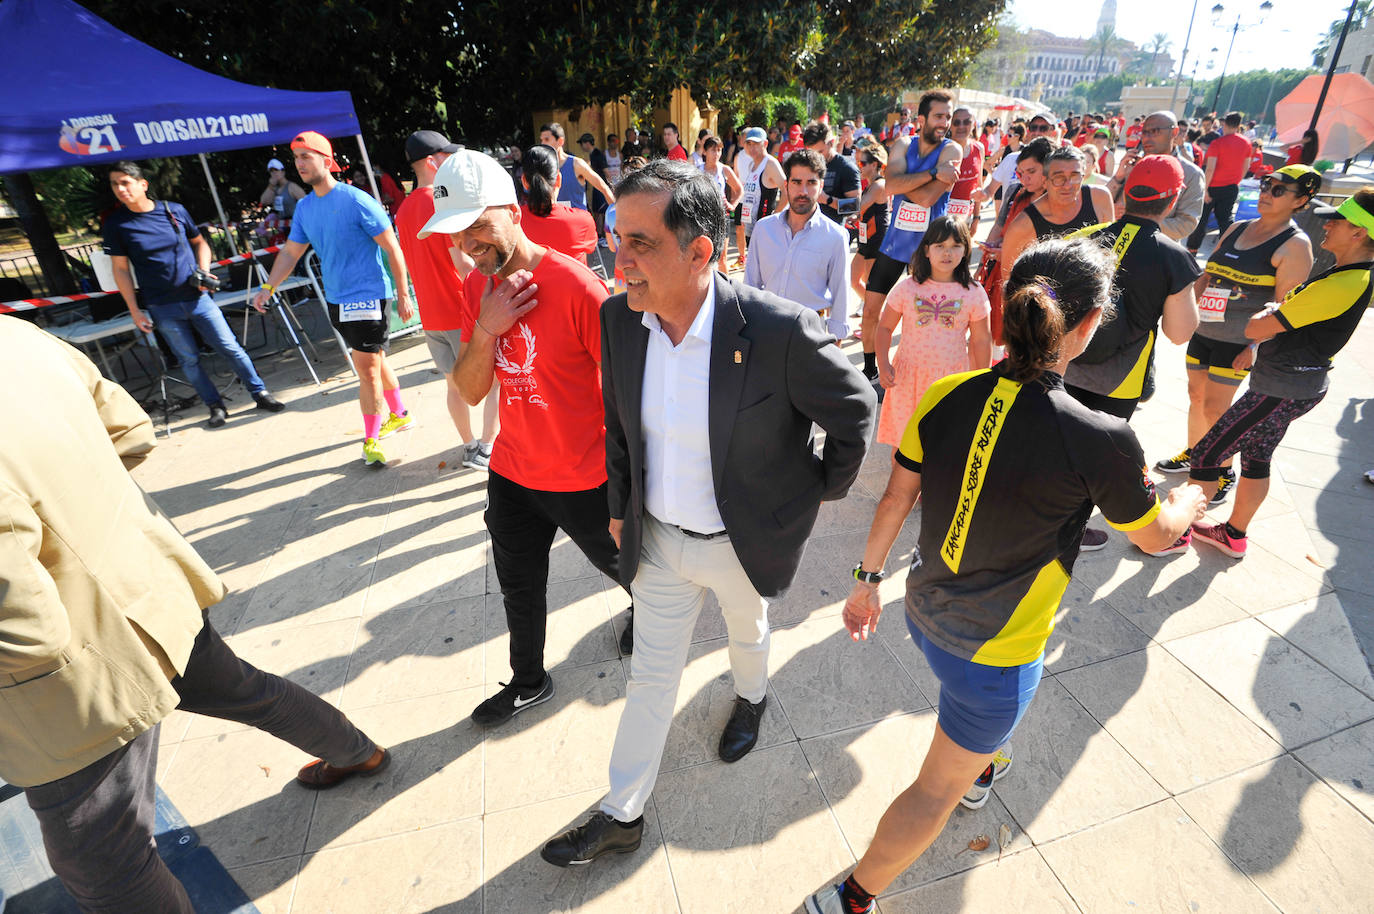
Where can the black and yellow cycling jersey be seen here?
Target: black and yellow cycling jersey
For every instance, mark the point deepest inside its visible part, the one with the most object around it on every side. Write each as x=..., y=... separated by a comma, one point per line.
x=1150, y=267
x=1009, y=476
x=1240, y=283
x=1319, y=318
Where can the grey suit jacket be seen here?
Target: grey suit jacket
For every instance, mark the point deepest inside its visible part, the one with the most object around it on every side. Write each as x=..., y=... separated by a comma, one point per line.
x=769, y=483
x=1188, y=210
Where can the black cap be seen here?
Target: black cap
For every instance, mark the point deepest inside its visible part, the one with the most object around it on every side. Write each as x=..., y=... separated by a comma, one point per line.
x=423, y=143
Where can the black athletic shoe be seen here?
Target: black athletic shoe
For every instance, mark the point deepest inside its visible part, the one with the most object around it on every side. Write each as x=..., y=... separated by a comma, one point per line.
x=1179, y=464
x=510, y=701
x=218, y=416
x=268, y=402
x=1225, y=484
x=598, y=836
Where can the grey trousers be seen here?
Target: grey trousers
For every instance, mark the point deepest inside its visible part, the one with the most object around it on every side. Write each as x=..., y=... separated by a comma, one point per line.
x=98, y=823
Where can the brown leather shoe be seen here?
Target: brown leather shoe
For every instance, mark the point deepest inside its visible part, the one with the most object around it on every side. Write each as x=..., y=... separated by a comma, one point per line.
x=320, y=775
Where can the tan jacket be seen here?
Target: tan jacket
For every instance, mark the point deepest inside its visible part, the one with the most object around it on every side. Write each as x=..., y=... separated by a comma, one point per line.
x=100, y=596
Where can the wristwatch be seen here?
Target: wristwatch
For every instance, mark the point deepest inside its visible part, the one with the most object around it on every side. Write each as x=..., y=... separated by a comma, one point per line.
x=867, y=577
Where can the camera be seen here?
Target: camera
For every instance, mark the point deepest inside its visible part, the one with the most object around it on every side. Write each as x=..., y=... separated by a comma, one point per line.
x=208, y=281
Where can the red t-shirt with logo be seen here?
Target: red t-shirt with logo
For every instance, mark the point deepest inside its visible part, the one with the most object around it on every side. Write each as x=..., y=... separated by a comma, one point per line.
x=677, y=152
x=1133, y=133
x=438, y=287
x=1232, y=153
x=553, y=428
x=565, y=229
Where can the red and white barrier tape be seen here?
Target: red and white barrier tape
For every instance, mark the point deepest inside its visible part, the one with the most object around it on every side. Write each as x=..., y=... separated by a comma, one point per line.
x=29, y=304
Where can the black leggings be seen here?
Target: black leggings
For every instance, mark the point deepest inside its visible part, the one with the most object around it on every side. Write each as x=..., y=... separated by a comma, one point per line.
x=1254, y=426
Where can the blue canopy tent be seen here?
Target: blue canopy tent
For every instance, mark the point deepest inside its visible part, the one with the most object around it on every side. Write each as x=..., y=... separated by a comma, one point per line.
x=84, y=93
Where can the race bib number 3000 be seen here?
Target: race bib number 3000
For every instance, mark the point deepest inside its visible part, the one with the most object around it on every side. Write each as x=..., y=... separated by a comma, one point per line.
x=360, y=311
x=1211, y=306
x=912, y=217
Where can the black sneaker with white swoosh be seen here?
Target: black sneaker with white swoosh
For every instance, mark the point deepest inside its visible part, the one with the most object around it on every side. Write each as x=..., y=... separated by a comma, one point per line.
x=510, y=701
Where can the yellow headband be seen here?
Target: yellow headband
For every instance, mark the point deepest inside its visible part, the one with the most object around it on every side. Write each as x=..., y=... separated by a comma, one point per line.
x=1352, y=212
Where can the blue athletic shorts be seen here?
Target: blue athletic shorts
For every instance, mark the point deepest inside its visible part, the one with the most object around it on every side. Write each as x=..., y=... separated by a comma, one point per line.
x=979, y=704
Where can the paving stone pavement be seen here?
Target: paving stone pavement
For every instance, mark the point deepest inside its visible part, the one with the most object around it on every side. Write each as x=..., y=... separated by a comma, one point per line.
x=1202, y=740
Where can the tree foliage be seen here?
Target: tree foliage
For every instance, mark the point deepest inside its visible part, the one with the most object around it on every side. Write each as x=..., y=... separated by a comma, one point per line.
x=1252, y=89
x=1364, y=12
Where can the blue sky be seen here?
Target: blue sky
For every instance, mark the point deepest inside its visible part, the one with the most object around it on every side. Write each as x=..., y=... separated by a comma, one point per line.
x=1285, y=39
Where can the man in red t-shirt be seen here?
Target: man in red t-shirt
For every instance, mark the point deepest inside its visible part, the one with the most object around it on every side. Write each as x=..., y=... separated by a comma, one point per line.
x=675, y=150
x=437, y=270
x=532, y=324
x=1224, y=165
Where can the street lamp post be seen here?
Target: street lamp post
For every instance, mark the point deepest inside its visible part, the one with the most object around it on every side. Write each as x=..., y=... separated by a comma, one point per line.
x=1217, y=12
x=1182, y=61
x=1331, y=69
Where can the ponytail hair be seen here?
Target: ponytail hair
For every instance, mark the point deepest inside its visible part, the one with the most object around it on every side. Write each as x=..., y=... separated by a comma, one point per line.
x=1053, y=287
x=540, y=170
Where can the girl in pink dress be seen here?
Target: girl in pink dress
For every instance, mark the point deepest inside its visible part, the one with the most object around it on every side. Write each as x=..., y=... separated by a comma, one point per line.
x=945, y=326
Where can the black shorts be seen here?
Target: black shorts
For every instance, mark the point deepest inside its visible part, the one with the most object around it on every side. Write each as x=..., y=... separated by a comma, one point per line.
x=884, y=274
x=737, y=214
x=871, y=248
x=1215, y=358
x=363, y=335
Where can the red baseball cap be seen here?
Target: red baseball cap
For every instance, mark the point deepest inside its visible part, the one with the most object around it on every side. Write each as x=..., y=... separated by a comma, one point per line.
x=315, y=142
x=794, y=131
x=1154, y=178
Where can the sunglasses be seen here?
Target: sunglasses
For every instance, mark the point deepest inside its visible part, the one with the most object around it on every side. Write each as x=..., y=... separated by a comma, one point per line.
x=1075, y=177
x=1039, y=128
x=962, y=122
x=1274, y=188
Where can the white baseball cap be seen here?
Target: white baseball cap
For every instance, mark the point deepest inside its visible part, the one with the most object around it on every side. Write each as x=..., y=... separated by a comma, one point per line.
x=466, y=184
x=275, y=165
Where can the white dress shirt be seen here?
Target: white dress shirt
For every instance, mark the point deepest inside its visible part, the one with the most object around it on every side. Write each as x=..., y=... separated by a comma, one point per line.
x=810, y=267
x=679, y=487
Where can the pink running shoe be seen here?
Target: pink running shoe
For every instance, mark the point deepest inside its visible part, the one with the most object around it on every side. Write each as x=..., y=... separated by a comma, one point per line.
x=1215, y=535
x=1180, y=545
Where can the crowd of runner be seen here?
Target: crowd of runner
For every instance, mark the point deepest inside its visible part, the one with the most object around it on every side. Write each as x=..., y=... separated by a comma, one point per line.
x=667, y=429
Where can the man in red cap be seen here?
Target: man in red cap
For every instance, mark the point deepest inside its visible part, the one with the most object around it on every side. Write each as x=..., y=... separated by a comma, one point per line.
x=1153, y=291
x=350, y=232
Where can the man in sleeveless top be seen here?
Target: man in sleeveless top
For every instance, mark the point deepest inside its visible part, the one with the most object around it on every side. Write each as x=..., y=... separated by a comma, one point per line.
x=575, y=171
x=1068, y=205
x=762, y=178
x=920, y=171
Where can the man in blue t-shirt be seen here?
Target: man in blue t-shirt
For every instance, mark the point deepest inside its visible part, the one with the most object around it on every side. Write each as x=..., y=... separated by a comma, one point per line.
x=158, y=241
x=350, y=232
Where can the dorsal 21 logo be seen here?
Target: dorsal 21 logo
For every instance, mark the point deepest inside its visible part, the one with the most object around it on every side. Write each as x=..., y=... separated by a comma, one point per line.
x=89, y=136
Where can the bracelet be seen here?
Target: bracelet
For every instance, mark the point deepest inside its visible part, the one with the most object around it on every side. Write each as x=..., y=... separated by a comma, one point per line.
x=268, y=287
x=867, y=577
x=485, y=330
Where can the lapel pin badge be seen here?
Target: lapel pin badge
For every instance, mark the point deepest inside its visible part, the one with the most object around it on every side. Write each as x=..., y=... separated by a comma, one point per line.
x=739, y=357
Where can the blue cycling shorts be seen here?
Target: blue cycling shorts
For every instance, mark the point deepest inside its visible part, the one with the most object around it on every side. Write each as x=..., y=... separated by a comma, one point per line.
x=979, y=704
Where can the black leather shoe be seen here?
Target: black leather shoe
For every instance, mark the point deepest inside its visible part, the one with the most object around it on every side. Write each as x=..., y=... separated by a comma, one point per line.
x=218, y=416
x=268, y=402
x=598, y=836
x=742, y=730
x=627, y=637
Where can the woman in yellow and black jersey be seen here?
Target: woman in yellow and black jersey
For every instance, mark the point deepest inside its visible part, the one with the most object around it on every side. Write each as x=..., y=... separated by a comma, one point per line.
x=1297, y=341
x=1254, y=263
x=1009, y=466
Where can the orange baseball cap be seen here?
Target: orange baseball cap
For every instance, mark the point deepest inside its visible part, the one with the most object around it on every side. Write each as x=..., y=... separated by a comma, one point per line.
x=315, y=142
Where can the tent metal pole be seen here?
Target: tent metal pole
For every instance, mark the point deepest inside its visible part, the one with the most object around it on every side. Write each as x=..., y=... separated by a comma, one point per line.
x=367, y=163
x=219, y=207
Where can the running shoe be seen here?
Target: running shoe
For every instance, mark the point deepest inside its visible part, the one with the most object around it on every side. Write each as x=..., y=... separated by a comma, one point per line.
x=510, y=701
x=829, y=900
x=1225, y=484
x=978, y=794
x=372, y=452
x=1180, y=464
x=1180, y=545
x=1217, y=536
x=477, y=456
x=395, y=424
x=1093, y=540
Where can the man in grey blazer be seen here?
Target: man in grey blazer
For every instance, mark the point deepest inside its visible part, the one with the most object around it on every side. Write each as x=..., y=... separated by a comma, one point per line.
x=711, y=389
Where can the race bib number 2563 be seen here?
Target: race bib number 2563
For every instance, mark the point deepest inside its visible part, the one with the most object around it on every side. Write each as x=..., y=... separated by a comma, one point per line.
x=360, y=311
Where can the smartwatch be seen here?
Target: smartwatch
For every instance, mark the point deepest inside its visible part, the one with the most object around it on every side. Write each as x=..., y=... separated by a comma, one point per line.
x=867, y=577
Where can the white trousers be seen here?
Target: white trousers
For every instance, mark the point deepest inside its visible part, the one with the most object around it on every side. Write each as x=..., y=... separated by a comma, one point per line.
x=675, y=572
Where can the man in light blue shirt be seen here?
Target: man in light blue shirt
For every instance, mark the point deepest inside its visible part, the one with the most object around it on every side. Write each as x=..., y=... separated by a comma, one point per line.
x=800, y=255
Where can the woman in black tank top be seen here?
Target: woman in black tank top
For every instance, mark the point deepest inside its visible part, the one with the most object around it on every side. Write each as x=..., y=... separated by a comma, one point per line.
x=1066, y=197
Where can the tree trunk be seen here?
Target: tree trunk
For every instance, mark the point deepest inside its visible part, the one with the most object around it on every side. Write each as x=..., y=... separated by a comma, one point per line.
x=34, y=220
